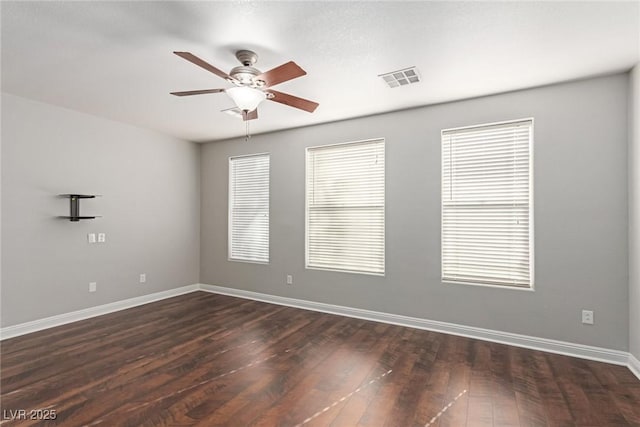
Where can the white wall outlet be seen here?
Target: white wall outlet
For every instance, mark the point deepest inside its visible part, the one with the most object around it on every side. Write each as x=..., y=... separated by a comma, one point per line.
x=93, y=286
x=102, y=237
x=587, y=317
x=91, y=237
x=289, y=279
x=143, y=278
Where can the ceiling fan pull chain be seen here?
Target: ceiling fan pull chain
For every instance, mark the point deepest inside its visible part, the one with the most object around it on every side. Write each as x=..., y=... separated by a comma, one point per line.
x=247, y=136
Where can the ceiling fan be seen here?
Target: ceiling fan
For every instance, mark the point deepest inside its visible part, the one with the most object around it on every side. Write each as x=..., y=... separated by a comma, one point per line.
x=251, y=86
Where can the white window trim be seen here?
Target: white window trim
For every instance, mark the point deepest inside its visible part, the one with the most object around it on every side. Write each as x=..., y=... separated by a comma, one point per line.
x=306, y=213
x=229, y=210
x=531, y=287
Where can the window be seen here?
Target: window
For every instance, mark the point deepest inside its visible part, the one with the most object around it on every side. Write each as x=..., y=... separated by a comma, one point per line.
x=487, y=206
x=345, y=207
x=249, y=208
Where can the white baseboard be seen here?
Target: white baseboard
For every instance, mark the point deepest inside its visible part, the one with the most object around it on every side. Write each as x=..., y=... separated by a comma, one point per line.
x=552, y=346
x=560, y=347
x=634, y=365
x=74, y=316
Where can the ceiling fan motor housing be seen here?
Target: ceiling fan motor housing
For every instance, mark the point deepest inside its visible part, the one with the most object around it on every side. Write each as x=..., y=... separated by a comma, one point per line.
x=245, y=75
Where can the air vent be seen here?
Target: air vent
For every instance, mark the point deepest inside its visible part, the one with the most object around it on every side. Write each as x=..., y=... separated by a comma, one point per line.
x=401, y=77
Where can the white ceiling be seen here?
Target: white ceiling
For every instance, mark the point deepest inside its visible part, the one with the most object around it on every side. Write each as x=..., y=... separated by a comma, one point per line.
x=114, y=59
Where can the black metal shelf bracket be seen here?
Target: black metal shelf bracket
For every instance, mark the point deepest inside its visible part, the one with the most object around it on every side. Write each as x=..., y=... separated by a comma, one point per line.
x=74, y=206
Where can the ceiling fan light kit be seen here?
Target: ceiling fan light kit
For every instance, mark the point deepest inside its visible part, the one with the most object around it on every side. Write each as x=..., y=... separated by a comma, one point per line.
x=246, y=98
x=251, y=85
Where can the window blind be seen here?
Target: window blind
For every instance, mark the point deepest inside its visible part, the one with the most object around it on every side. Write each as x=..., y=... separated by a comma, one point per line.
x=487, y=212
x=345, y=207
x=249, y=208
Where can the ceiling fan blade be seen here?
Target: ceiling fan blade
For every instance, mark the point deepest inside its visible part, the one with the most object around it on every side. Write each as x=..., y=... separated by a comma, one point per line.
x=280, y=74
x=200, y=63
x=250, y=115
x=197, y=92
x=293, y=101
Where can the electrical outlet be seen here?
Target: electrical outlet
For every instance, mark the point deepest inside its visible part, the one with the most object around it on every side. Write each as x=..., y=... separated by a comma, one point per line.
x=93, y=286
x=102, y=237
x=289, y=279
x=143, y=278
x=91, y=237
x=587, y=317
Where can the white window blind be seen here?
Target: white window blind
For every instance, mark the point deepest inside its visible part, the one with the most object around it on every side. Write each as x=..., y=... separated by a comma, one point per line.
x=345, y=207
x=249, y=208
x=487, y=211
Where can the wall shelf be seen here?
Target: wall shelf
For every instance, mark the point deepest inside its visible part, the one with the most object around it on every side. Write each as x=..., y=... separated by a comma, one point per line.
x=74, y=206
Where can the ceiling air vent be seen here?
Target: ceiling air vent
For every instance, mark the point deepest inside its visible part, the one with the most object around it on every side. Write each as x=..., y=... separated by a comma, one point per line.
x=401, y=77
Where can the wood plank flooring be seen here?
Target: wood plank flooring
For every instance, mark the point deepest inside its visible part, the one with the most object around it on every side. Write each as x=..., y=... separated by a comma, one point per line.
x=210, y=360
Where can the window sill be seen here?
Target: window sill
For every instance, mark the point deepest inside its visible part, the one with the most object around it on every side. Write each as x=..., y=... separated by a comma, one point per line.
x=483, y=285
x=248, y=261
x=337, y=270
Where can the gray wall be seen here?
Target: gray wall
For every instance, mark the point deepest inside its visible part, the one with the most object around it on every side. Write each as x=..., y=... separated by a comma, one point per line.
x=580, y=215
x=150, y=207
x=634, y=213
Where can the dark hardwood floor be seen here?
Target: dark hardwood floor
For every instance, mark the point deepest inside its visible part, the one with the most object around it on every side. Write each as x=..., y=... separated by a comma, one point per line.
x=211, y=360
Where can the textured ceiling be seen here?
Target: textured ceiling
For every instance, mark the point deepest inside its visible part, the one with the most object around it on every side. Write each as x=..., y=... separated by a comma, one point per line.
x=114, y=59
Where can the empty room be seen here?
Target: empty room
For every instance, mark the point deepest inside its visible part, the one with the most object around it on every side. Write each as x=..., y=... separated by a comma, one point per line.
x=320, y=213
